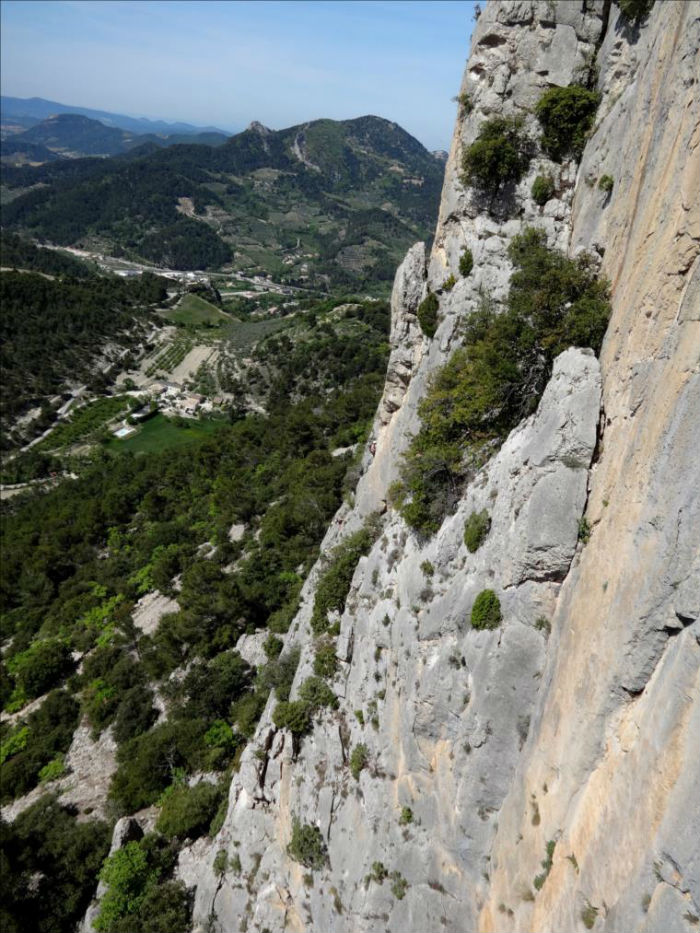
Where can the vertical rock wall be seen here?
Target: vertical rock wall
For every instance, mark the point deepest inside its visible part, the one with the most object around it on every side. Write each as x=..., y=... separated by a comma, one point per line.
x=497, y=742
x=616, y=742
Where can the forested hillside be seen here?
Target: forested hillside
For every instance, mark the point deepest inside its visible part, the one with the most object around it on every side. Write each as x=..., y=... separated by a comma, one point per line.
x=56, y=321
x=80, y=558
x=335, y=199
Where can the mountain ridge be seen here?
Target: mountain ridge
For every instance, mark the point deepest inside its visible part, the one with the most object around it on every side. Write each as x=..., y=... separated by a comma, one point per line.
x=39, y=108
x=326, y=197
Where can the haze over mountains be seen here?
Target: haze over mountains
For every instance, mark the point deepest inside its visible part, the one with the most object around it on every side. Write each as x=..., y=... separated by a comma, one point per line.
x=26, y=112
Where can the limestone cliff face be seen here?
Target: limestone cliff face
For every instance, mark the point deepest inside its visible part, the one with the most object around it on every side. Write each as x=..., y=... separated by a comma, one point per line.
x=502, y=741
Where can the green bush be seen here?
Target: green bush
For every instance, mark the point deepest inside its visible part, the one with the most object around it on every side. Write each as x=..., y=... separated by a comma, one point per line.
x=211, y=686
x=48, y=865
x=500, y=155
x=147, y=763
x=486, y=611
x=427, y=314
x=476, y=527
x=606, y=183
x=449, y=283
x=466, y=262
x=187, y=812
x=41, y=667
x=406, y=816
x=566, y=115
x=307, y=846
x=278, y=674
x=317, y=694
x=220, y=863
x=377, y=873
x=399, y=885
x=497, y=377
x=140, y=897
x=539, y=880
x=325, y=659
x=334, y=585
x=273, y=646
x=135, y=713
x=49, y=732
x=55, y=769
x=542, y=189
x=294, y=715
x=635, y=10
x=358, y=760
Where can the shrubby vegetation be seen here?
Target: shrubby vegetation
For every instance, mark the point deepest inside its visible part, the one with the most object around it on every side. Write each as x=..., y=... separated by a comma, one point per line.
x=466, y=262
x=35, y=742
x=187, y=812
x=498, y=376
x=606, y=183
x=48, y=865
x=427, y=314
x=140, y=896
x=499, y=156
x=334, y=585
x=486, y=611
x=307, y=846
x=476, y=527
x=297, y=715
x=542, y=189
x=294, y=715
x=566, y=115
x=358, y=760
x=636, y=10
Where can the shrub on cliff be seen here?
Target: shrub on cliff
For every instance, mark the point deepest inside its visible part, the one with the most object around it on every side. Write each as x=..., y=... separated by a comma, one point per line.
x=358, y=760
x=476, y=528
x=325, y=659
x=635, y=10
x=317, y=694
x=334, y=585
x=140, y=896
x=566, y=115
x=307, y=846
x=542, y=189
x=497, y=377
x=427, y=314
x=294, y=715
x=486, y=611
x=499, y=155
x=187, y=812
x=466, y=262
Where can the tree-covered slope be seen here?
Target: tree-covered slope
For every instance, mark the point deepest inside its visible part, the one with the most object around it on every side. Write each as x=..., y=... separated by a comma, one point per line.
x=340, y=199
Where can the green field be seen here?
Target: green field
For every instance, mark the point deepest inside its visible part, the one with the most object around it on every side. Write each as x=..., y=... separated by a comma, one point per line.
x=193, y=311
x=160, y=433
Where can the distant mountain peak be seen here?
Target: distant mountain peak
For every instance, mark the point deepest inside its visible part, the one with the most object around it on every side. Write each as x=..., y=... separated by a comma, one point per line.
x=257, y=127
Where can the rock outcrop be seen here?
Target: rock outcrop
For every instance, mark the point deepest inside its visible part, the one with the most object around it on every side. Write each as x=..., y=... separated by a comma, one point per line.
x=488, y=753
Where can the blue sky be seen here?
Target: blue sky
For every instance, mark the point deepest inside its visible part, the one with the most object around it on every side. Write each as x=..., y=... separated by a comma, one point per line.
x=227, y=63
